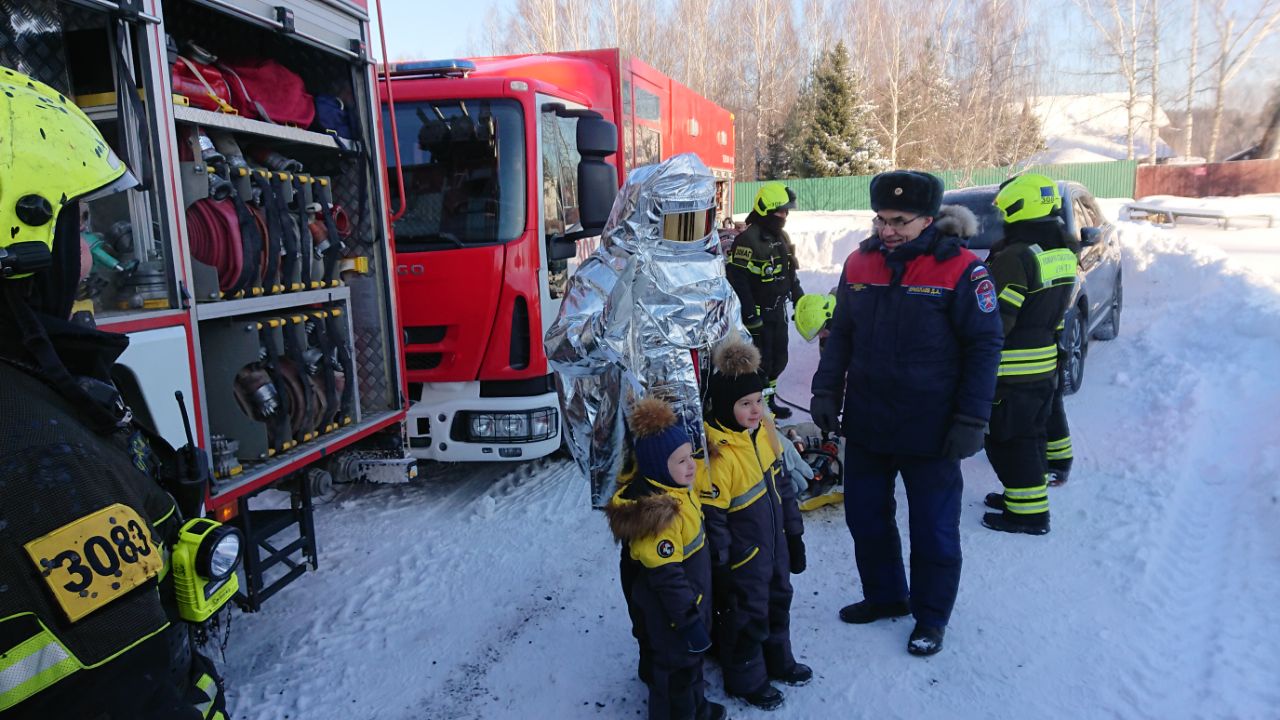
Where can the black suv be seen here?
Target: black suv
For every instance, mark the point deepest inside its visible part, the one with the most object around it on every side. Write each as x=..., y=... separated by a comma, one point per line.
x=1095, y=306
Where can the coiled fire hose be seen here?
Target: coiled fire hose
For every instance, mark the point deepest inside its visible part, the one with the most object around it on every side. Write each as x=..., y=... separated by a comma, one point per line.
x=213, y=231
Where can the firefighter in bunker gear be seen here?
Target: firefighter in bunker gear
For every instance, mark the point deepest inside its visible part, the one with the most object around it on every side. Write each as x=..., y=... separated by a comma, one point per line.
x=1034, y=273
x=762, y=269
x=89, y=623
x=913, y=349
x=658, y=518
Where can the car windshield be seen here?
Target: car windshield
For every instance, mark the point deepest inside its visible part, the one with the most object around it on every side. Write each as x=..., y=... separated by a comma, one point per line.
x=464, y=173
x=978, y=200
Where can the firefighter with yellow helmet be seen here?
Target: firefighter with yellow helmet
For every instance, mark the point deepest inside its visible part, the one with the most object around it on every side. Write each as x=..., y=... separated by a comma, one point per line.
x=1034, y=271
x=90, y=626
x=762, y=270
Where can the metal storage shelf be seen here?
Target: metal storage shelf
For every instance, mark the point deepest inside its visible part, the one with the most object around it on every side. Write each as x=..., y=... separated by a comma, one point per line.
x=260, y=473
x=271, y=303
x=235, y=123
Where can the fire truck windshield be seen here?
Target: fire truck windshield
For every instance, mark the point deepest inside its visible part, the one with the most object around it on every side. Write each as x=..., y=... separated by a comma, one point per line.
x=464, y=173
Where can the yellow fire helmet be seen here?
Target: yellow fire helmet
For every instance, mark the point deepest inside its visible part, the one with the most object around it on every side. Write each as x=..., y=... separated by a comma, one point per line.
x=1029, y=196
x=774, y=196
x=813, y=312
x=51, y=155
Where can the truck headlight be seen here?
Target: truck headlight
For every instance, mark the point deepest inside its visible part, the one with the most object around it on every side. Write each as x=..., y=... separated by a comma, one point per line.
x=483, y=426
x=543, y=424
x=514, y=426
x=219, y=553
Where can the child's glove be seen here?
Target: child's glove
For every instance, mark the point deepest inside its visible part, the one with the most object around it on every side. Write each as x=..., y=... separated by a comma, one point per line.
x=696, y=636
x=723, y=595
x=795, y=552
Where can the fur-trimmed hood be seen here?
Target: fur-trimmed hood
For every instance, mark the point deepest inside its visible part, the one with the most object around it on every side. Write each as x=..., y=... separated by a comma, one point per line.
x=634, y=518
x=956, y=220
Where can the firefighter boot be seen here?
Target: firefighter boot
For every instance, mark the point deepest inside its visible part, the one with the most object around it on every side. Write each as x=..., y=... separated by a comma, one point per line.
x=1034, y=524
x=781, y=412
x=995, y=501
x=925, y=640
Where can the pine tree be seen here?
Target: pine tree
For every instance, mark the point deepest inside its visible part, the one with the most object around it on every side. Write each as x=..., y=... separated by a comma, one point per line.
x=838, y=140
x=783, y=152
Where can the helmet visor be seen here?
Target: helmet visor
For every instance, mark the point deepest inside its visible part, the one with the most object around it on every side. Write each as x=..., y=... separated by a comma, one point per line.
x=688, y=226
x=124, y=182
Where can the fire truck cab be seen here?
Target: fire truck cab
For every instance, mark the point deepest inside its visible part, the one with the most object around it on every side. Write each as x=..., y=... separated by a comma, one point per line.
x=508, y=167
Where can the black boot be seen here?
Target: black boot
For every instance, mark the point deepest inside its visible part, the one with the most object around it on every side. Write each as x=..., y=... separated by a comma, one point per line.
x=776, y=658
x=925, y=640
x=861, y=613
x=712, y=711
x=767, y=697
x=1037, y=524
x=995, y=501
x=799, y=674
x=781, y=412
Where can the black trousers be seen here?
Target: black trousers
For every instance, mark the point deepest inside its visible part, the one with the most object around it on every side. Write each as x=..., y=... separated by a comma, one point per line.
x=771, y=340
x=1059, y=435
x=1016, y=445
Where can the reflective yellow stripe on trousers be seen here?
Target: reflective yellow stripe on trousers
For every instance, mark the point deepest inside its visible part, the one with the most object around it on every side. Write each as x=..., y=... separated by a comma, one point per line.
x=31, y=666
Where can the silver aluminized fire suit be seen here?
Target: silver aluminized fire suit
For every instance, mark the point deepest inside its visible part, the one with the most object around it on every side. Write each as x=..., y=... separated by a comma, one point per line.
x=639, y=311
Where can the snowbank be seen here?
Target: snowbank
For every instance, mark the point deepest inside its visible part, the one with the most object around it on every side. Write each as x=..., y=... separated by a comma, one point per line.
x=490, y=591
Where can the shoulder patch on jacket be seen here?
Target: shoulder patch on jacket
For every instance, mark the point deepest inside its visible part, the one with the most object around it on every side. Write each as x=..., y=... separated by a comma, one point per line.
x=985, y=291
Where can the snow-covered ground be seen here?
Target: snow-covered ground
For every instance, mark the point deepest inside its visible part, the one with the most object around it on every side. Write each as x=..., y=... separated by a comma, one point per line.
x=491, y=591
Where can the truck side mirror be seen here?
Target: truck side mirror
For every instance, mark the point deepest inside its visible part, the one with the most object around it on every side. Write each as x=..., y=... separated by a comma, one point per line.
x=597, y=179
x=1090, y=236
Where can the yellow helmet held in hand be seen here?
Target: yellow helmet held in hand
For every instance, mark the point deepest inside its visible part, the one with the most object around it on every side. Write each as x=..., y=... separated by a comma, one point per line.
x=51, y=155
x=1029, y=196
x=774, y=196
x=813, y=312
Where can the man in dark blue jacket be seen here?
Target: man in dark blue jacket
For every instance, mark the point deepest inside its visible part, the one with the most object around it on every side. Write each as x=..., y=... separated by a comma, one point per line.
x=914, y=346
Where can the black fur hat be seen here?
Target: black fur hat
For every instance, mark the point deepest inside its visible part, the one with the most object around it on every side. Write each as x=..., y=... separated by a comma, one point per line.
x=907, y=191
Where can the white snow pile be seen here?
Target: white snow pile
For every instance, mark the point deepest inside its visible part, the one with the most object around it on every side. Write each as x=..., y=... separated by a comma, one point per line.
x=491, y=591
x=1092, y=128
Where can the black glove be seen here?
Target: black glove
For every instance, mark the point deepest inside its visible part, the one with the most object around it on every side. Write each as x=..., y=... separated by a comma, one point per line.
x=696, y=636
x=753, y=322
x=795, y=548
x=724, y=597
x=825, y=410
x=965, y=437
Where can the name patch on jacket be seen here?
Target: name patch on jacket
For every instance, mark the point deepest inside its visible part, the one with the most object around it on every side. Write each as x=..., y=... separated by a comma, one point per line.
x=925, y=290
x=986, y=294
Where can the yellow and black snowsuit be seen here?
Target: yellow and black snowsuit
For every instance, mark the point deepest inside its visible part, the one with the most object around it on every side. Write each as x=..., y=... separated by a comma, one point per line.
x=1034, y=273
x=669, y=588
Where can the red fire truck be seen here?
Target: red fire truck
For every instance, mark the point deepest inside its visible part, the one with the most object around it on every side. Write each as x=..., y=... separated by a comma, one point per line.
x=502, y=184
x=282, y=341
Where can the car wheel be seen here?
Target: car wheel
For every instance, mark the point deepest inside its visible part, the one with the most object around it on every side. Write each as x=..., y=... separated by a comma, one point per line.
x=1110, y=329
x=1074, y=348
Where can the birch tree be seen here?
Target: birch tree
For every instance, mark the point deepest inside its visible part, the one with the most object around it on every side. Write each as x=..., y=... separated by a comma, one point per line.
x=1237, y=39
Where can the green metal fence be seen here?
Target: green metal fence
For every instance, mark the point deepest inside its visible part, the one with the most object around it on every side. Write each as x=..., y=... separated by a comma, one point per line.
x=1113, y=179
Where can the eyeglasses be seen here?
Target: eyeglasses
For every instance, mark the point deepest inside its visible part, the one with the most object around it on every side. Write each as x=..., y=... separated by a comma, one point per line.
x=895, y=223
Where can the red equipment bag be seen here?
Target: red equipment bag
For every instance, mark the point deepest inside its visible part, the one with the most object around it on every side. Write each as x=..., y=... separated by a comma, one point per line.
x=203, y=85
x=264, y=89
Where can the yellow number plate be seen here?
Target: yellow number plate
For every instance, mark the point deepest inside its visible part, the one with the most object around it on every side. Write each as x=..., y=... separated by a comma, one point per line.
x=90, y=562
